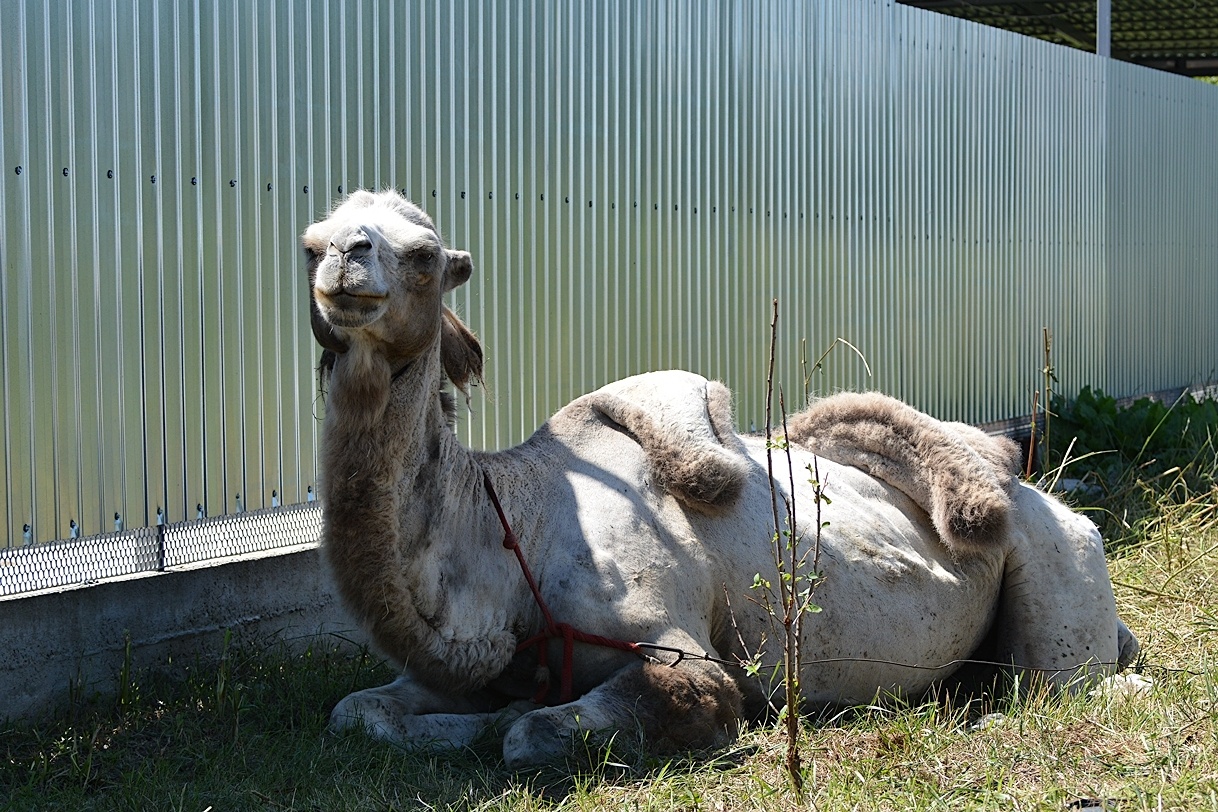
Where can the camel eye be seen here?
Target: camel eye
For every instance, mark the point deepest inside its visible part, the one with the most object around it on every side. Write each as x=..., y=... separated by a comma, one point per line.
x=421, y=256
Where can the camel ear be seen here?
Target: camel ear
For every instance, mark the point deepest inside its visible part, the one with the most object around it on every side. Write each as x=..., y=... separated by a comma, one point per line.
x=460, y=352
x=323, y=331
x=460, y=267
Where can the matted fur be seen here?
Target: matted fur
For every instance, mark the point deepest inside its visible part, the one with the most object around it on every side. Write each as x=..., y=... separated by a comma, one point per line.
x=683, y=709
x=460, y=352
x=959, y=475
x=699, y=464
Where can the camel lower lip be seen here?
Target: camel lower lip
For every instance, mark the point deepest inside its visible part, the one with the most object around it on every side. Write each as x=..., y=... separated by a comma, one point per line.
x=355, y=301
x=350, y=310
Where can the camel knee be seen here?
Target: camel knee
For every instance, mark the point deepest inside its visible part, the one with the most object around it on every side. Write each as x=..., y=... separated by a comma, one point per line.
x=374, y=712
x=688, y=707
x=661, y=709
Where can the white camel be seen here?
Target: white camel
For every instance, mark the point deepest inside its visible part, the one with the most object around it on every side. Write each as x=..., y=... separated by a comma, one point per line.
x=644, y=517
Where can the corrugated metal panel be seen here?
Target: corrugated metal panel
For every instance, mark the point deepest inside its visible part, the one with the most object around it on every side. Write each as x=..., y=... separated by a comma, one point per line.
x=636, y=181
x=1162, y=327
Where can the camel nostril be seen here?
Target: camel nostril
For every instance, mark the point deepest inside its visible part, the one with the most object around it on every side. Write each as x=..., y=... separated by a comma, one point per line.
x=354, y=241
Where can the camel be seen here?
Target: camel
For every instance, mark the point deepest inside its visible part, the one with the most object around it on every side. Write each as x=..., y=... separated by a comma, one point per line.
x=644, y=518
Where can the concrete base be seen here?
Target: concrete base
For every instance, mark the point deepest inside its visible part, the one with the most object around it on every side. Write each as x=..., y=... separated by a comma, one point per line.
x=77, y=636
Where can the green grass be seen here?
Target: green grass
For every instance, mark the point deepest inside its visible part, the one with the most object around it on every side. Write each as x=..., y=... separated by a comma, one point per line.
x=249, y=733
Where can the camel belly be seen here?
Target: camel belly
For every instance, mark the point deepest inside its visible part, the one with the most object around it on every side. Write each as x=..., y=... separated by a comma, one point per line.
x=625, y=560
x=895, y=609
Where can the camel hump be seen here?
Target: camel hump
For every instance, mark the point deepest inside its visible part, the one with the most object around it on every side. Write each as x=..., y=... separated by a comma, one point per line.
x=683, y=422
x=959, y=475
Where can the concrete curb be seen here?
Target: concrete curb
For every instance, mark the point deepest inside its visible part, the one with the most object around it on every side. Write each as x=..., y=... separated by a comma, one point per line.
x=77, y=636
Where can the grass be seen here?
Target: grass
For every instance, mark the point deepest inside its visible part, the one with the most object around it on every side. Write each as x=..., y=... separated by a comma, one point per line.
x=249, y=732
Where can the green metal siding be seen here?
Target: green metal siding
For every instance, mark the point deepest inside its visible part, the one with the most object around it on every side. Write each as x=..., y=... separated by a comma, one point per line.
x=635, y=181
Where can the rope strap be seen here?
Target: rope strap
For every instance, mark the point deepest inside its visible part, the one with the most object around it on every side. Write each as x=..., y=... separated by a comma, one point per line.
x=568, y=633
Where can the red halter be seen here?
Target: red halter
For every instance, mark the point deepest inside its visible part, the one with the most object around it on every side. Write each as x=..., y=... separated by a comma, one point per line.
x=552, y=630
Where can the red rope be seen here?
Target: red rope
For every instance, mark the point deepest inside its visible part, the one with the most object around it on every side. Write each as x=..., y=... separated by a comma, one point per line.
x=552, y=630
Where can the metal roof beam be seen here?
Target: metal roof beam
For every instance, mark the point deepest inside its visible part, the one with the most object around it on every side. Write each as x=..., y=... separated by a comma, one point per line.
x=1184, y=67
x=941, y=5
x=1074, y=35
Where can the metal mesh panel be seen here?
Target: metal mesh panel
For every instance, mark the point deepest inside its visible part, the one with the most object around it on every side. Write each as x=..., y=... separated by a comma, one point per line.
x=84, y=560
x=78, y=561
x=241, y=533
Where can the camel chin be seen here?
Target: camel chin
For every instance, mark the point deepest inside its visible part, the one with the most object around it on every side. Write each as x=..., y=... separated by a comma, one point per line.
x=645, y=517
x=351, y=312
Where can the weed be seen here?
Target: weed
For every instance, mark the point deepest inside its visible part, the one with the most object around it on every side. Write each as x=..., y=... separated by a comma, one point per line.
x=1142, y=468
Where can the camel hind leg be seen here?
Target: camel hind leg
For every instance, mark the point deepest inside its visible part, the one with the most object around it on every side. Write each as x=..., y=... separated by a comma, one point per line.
x=1057, y=620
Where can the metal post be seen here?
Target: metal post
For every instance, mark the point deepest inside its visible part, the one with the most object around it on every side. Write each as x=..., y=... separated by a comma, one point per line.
x=1103, y=28
x=160, y=547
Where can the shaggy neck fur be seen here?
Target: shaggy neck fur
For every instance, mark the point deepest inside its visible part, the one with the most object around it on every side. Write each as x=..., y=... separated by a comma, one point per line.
x=409, y=532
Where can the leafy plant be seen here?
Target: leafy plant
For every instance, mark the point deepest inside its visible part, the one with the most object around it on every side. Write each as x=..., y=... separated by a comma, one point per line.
x=1134, y=461
x=796, y=558
x=1147, y=434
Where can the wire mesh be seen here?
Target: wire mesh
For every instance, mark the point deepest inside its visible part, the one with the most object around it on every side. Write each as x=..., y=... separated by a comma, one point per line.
x=148, y=549
x=241, y=533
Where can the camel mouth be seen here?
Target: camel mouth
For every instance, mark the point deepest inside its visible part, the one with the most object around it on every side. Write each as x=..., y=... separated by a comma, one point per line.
x=345, y=309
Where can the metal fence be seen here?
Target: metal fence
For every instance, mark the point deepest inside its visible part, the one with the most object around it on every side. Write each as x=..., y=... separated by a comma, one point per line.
x=636, y=180
x=83, y=560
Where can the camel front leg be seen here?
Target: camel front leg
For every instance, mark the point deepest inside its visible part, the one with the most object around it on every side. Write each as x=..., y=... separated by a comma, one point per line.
x=415, y=717
x=691, y=706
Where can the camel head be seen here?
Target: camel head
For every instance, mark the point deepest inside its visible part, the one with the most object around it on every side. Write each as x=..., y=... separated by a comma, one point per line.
x=378, y=272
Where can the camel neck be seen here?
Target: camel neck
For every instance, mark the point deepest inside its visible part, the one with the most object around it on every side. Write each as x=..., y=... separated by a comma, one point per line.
x=407, y=525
